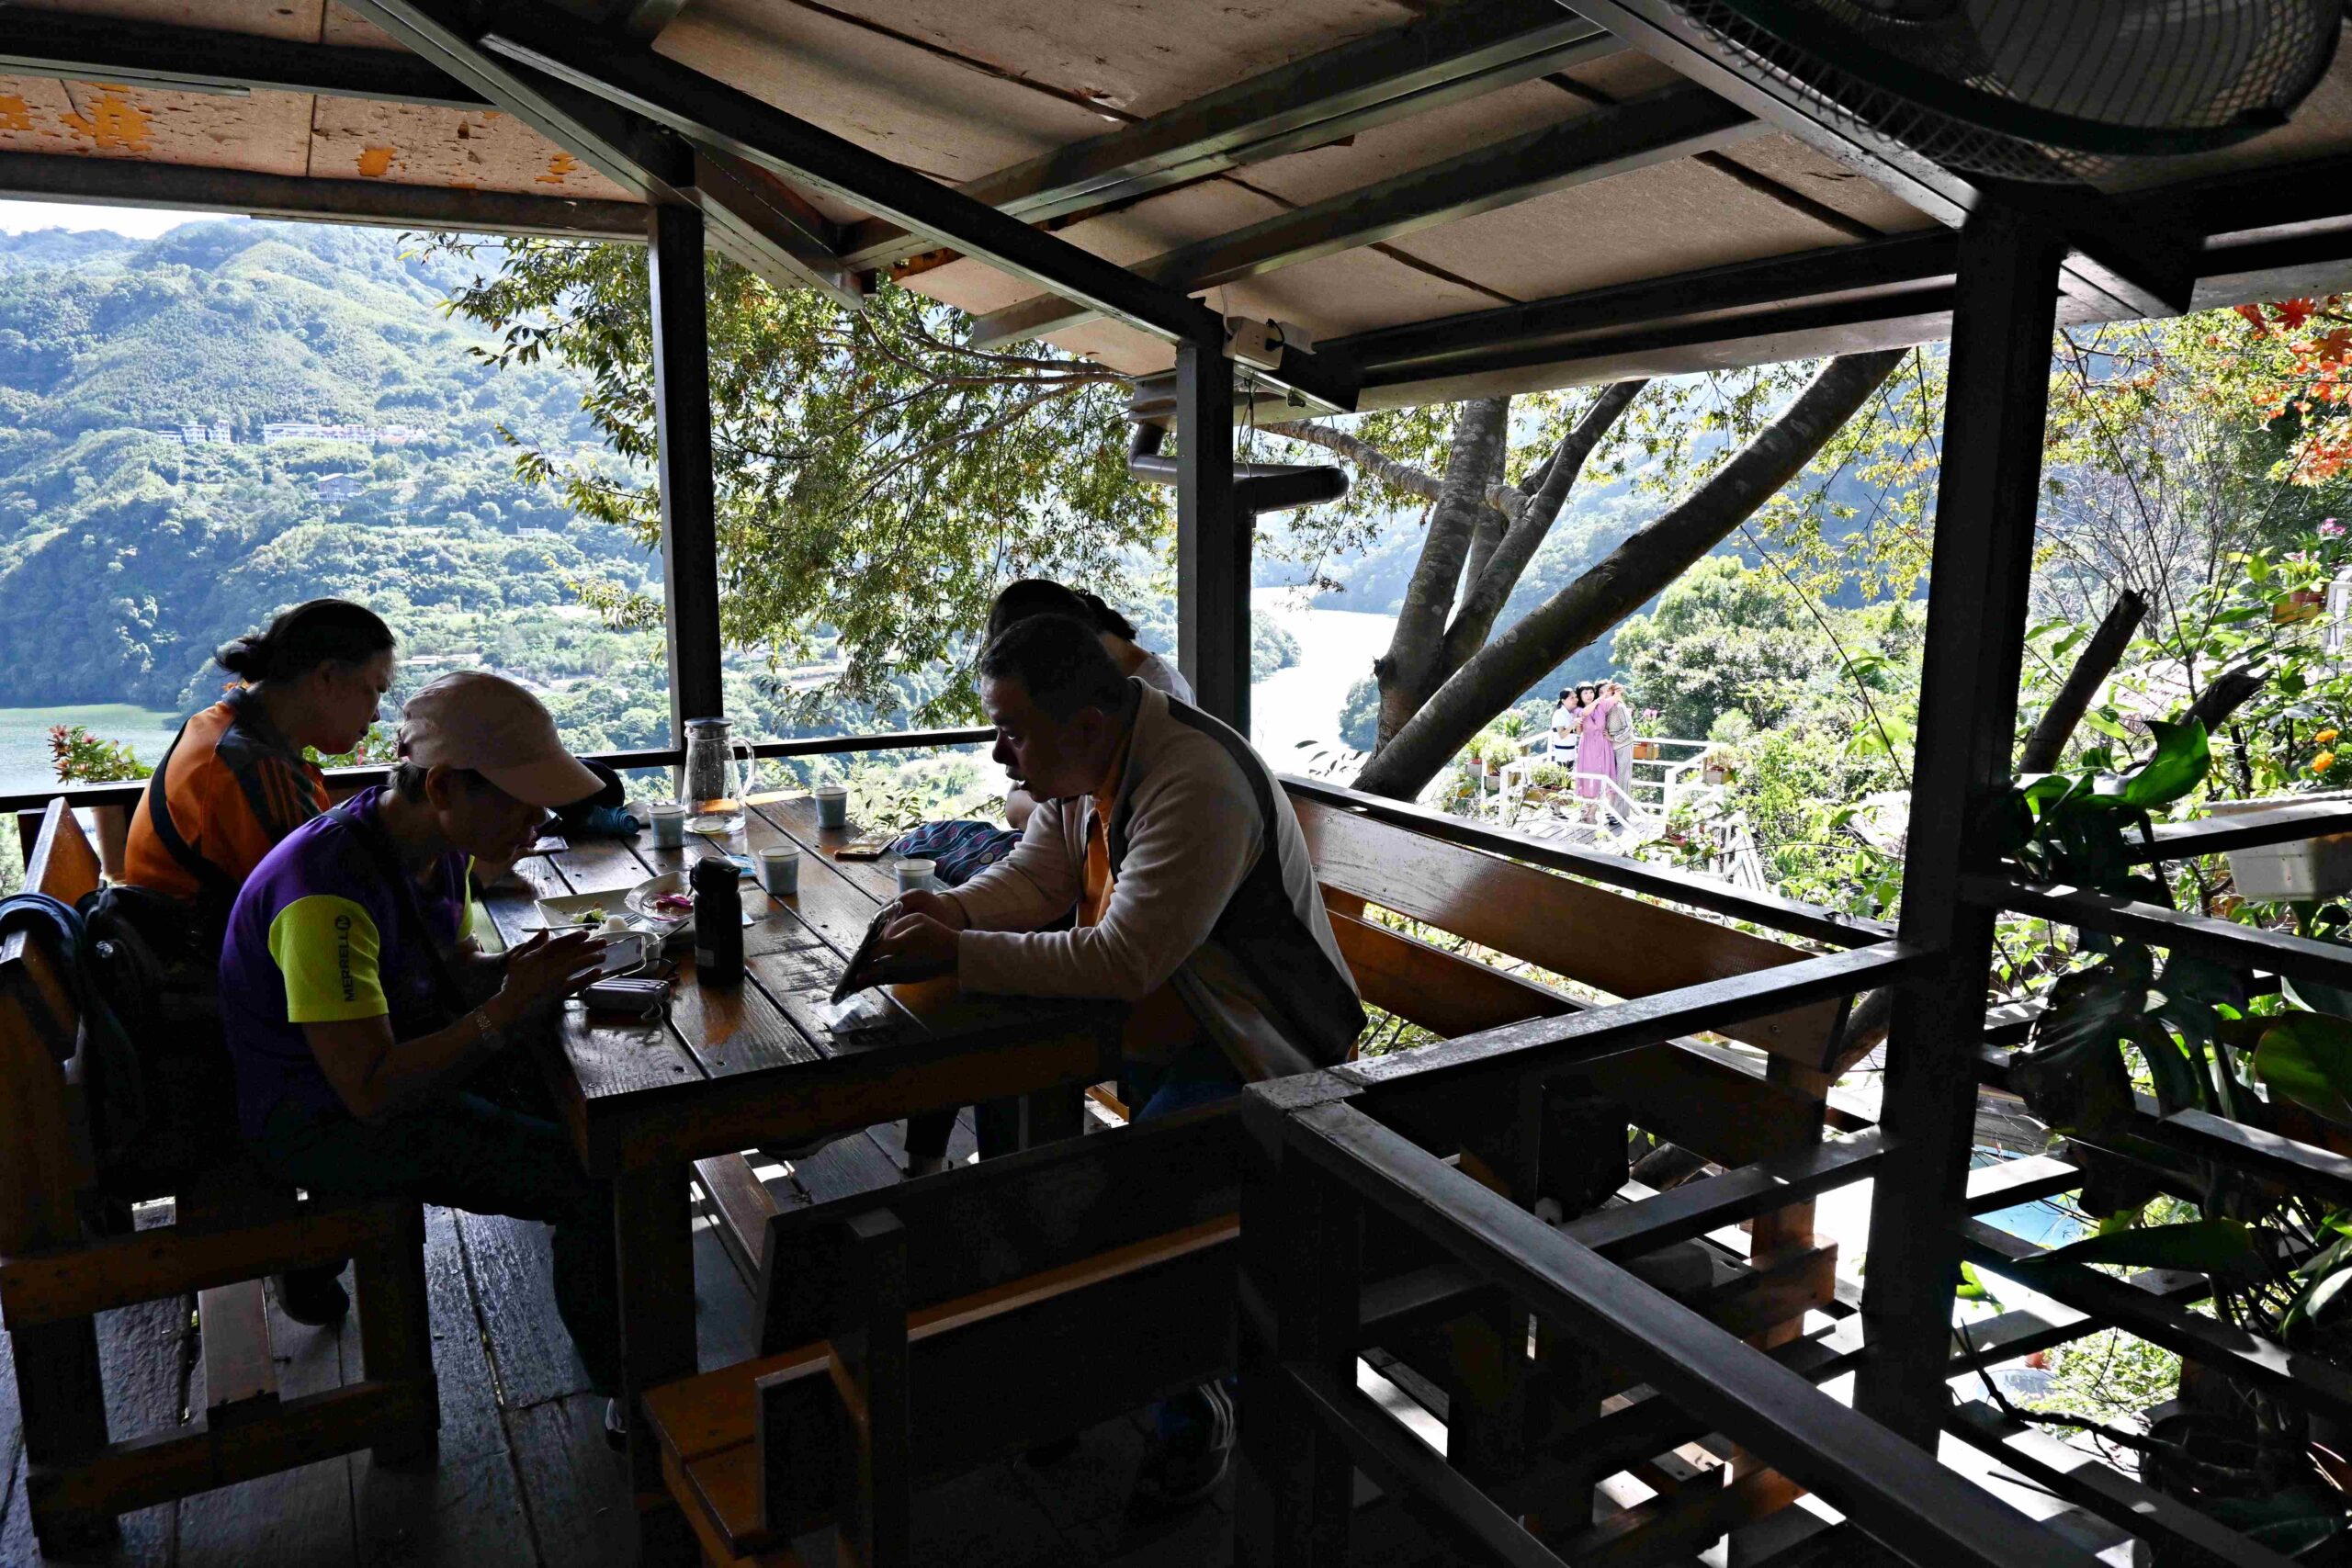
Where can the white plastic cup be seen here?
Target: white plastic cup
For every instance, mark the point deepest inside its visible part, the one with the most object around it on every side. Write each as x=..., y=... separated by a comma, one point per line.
x=915, y=876
x=779, y=871
x=668, y=819
x=833, y=805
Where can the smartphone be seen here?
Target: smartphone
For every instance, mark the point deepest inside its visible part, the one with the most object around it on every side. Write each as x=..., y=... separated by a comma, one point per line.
x=625, y=952
x=843, y=988
x=868, y=846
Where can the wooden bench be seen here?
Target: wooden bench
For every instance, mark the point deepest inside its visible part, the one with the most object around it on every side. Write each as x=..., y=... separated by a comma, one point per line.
x=229, y=1230
x=1558, y=1421
x=902, y=1333
x=855, y=1399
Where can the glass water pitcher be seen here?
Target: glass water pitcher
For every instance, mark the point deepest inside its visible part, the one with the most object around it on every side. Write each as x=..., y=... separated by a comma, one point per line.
x=713, y=781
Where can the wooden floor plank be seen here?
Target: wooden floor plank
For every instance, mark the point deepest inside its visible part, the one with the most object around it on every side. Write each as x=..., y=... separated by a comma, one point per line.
x=303, y=1515
x=138, y=1351
x=726, y=1317
x=530, y=1353
x=240, y=1379
x=854, y=1163
x=575, y=1488
x=465, y=1506
x=140, y=1357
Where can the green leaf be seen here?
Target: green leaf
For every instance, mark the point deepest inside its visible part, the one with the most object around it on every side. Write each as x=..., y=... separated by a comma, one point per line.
x=2307, y=1057
x=1970, y=1287
x=2106, y=726
x=2182, y=758
x=2290, y=1522
x=2318, y=995
x=2206, y=1246
x=2320, y=1300
x=2179, y=1086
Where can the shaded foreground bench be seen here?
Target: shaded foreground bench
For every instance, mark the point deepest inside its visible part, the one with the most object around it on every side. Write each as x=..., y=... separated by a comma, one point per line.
x=914, y=1333
x=921, y=1331
x=66, y=1254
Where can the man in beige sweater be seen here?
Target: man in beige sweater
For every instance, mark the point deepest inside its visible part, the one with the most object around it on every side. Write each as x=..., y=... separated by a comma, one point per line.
x=1175, y=853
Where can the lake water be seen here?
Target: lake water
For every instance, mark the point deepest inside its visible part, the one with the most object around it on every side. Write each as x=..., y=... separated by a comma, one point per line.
x=1303, y=703
x=24, y=737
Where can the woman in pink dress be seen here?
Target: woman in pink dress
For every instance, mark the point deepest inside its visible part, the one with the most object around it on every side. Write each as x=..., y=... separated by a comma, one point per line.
x=1596, y=755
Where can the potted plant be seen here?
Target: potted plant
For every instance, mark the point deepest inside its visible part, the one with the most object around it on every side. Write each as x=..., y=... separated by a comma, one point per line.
x=2190, y=1033
x=1719, y=765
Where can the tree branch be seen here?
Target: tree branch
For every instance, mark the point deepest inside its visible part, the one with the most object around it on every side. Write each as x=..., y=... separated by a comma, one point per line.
x=1399, y=475
x=1416, y=649
x=1620, y=584
x=2227, y=693
x=2092, y=666
x=1491, y=582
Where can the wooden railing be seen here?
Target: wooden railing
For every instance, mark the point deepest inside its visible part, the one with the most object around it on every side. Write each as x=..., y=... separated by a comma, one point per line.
x=2154, y=1307
x=110, y=803
x=1332, y=1161
x=1792, y=916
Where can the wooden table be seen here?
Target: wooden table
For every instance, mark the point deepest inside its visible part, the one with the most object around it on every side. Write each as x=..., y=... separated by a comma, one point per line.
x=760, y=1065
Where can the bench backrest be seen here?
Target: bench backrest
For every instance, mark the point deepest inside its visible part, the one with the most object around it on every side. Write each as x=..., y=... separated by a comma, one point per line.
x=1004, y=1220
x=1595, y=937
x=42, y=1165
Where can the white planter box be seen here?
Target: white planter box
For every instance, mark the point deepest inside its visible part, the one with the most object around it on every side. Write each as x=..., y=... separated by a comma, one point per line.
x=2308, y=869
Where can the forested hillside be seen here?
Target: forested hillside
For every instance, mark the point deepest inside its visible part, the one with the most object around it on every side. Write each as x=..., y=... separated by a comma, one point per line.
x=127, y=555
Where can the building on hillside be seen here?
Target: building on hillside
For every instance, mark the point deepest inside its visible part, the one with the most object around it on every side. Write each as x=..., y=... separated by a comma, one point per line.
x=338, y=487
x=370, y=434
x=202, y=435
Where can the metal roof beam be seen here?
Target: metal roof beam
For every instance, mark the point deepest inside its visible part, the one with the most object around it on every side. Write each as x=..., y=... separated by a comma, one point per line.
x=768, y=229
x=1454, y=56
x=1655, y=128
x=1844, y=298
x=71, y=46
x=125, y=182
x=732, y=121
x=2117, y=266
x=716, y=116
x=1871, y=276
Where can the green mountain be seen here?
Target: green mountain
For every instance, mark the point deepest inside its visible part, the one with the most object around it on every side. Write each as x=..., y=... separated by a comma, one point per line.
x=127, y=554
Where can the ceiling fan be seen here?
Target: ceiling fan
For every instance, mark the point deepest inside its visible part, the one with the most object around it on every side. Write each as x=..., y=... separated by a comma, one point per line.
x=2045, y=90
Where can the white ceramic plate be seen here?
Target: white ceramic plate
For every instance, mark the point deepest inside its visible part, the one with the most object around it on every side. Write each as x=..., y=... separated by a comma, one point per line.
x=639, y=901
x=584, y=910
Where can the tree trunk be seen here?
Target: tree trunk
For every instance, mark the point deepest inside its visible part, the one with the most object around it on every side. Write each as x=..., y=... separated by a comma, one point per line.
x=2092, y=666
x=1489, y=584
x=1619, y=584
x=1415, y=662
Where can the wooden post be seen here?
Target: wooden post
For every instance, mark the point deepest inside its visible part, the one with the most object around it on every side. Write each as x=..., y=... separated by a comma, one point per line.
x=682, y=427
x=654, y=1238
x=1976, y=618
x=1212, y=539
x=396, y=1329
x=1301, y=1281
x=870, y=1358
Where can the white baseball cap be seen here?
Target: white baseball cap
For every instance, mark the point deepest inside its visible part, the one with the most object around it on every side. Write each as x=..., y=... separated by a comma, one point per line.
x=474, y=720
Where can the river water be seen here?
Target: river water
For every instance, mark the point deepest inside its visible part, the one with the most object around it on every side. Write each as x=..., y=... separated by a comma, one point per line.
x=1295, y=713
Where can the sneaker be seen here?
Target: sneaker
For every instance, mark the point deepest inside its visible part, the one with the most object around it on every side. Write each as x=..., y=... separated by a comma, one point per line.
x=616, y=1424
x=1180, y=1469
x=312, y=1297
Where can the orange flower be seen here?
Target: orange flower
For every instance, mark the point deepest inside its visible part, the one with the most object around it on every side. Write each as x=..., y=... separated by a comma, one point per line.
x=2324, y=738
x=2323, y=761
